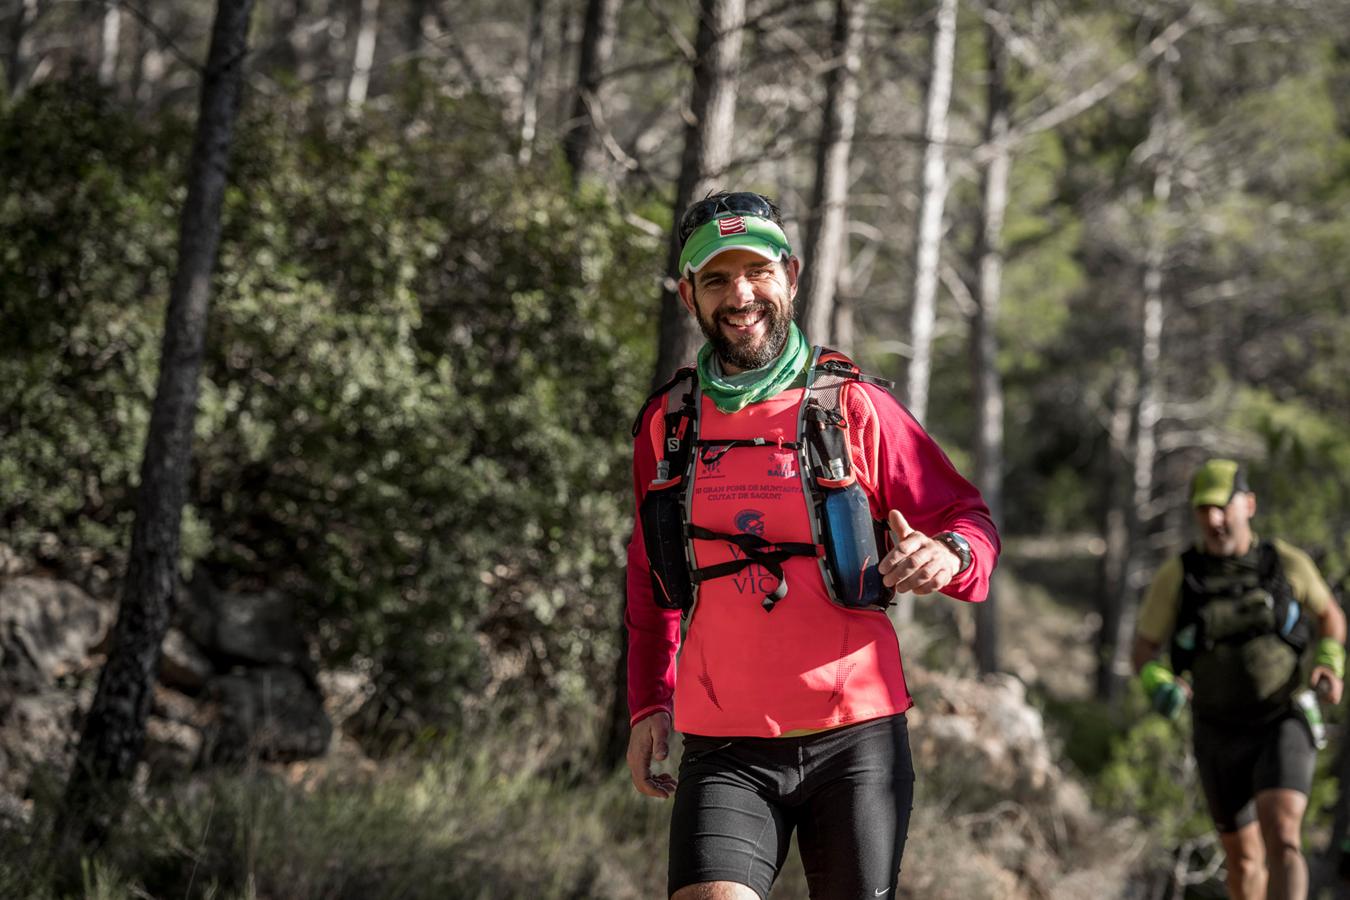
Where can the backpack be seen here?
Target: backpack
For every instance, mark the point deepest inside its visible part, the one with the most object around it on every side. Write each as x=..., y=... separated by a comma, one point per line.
x=1241, y=634
x=845, y=536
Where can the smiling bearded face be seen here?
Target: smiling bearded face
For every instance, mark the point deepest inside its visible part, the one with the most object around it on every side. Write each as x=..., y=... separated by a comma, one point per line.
x=744, y=307
x=750, y=337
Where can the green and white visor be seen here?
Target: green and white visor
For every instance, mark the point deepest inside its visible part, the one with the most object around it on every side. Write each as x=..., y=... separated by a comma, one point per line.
x=733, y=232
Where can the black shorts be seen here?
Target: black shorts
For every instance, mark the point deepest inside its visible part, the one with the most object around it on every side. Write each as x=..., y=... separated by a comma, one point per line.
x=848, y=792
x=1235, y=763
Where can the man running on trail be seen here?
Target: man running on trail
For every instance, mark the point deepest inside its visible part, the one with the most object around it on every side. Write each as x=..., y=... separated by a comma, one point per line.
x=1238, y=614
x=767, y=480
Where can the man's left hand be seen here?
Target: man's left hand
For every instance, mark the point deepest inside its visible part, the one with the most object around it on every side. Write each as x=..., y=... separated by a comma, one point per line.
x=916, y=563
x=1327, y=685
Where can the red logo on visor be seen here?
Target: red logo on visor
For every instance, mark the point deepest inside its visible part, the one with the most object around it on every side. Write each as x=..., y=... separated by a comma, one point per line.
x=731, y=225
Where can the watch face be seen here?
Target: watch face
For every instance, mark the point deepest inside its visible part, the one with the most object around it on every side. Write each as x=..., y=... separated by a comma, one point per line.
x=960, y=546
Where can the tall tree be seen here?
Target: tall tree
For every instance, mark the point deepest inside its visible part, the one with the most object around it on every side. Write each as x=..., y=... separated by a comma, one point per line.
x=1115, y=531
x=114, y=729
x=1148, y=396
x=534, y=65
x=363, y=59
x=932, y=199
x=109, y=38
x=984, y=321
x=928, y=235
x=581, y=144
x=826, y=234
x=707, y=153
x=19, y=59
x=995, y=155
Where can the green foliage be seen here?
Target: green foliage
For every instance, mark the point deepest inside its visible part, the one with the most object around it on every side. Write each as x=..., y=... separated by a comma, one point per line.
x=1300, y=480
x=476, y=819
x=1151, y=774
x=422, y=363
x=86, y=219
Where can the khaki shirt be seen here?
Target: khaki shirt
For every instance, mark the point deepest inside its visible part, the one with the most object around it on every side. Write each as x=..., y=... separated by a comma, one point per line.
x=1158, y=615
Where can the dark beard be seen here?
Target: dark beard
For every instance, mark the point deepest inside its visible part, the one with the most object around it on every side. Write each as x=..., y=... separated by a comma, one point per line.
x=749, y=355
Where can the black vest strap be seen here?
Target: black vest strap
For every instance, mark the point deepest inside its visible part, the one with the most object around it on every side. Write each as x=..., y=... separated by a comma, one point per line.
x=758, y=552
x=680, y=375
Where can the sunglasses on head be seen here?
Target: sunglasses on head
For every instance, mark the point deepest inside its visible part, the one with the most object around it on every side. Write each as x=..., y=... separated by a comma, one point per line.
x=742, y=203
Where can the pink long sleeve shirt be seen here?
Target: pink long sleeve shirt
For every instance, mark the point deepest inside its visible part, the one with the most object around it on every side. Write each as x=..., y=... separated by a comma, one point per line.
x=768, y=672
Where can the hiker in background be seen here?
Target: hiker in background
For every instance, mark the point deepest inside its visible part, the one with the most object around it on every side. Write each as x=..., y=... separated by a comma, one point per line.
x=1254, y=638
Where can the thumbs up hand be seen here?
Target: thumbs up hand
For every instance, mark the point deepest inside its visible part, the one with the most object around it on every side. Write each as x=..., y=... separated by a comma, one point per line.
x=916, y=562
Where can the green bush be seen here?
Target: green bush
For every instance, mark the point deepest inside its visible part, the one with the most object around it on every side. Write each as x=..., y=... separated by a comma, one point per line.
x=469, y=820
x=422, y=363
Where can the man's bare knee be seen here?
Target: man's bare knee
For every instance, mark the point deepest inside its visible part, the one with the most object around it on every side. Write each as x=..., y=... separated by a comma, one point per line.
x=715, y=890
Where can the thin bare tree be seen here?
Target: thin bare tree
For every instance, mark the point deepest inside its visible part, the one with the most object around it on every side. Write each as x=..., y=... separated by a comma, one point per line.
x=826, y=234
x=928, y=235
x=114, y=729
x=109, y=38
x=1115, y=529
x=529, y=95
x=932, y=200
x=707, y=152
x=19, y=61
x=363, y=59
x=1148, y=396
x=984, y=322
x=581, y=144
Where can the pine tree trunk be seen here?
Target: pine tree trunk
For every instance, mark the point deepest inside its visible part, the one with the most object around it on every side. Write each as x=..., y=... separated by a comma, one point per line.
x=1113, y=591
x=18, y=66
x=614, y=740
x=1148, y=402
x=529, y=95
x=826, y=236
x=114, y=729
x=842, y=328
x=414, y=38
x=928, y=236
x=984, y=325
x=109, y=38
x=581, y=145
x=363, y=60
x=933, y=198
x=707, y=152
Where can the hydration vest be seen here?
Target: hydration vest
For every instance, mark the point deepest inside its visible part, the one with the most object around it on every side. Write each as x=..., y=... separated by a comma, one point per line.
x=1241, y=634
x=845, y=540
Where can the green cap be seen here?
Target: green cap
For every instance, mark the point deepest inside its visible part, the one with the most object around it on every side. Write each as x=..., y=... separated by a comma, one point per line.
x=733, y=232
x=1215, y=483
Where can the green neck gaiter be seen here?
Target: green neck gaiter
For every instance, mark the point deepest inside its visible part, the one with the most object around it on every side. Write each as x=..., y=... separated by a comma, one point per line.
x=732, y=393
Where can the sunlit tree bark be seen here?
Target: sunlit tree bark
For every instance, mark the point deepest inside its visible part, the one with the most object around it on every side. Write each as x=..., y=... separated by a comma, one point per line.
x=109, y=38
x=933, y=196
x=364, y=57
x=534, y=64
x=707, y=151
x=826, y=234
x=984, y=322
x=582, y=145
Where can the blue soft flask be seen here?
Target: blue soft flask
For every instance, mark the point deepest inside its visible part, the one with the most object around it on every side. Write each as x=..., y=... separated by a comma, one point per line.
x=851, y=542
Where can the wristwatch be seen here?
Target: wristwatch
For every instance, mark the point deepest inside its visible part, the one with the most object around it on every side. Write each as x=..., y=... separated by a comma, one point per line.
x=958, y=545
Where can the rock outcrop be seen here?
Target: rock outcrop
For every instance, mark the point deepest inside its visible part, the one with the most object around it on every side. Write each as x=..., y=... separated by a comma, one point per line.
x=237, y=682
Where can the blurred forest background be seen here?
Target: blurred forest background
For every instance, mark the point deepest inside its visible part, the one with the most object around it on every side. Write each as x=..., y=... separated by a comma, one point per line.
x=1092, y=243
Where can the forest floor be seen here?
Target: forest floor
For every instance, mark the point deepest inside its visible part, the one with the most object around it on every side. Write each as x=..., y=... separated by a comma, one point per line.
x=488, y=815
